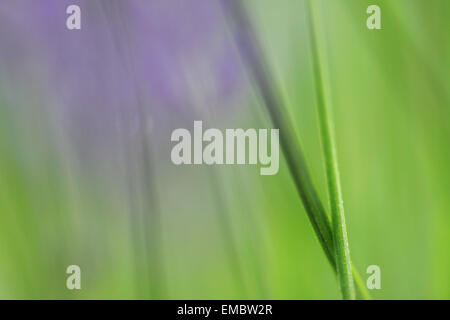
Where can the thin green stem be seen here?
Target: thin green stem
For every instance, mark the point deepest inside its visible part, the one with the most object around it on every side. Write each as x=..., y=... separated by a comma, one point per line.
x=253, y=56
x=342, y=251
x=362, y=292
x=261, y=73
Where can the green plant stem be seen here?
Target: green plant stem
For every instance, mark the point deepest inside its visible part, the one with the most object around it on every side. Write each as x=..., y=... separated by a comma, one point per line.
x=260, y=71
x=362, y=292
x=258, y=68
x=342, y=251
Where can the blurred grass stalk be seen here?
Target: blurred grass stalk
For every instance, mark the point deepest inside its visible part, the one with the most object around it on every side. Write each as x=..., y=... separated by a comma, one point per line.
x=326, y=127
x=254, y=59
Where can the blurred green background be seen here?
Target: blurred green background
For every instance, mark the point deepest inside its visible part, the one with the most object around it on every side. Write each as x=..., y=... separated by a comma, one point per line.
x=227, y=232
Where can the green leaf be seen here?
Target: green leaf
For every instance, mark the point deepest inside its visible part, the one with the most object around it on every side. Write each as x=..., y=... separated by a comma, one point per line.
x=342, y=251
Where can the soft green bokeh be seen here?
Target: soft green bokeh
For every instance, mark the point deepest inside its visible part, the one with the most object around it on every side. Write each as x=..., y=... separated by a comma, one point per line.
x=230, y=233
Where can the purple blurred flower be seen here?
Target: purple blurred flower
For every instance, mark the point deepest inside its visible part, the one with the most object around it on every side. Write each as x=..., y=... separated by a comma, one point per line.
x=132, y=56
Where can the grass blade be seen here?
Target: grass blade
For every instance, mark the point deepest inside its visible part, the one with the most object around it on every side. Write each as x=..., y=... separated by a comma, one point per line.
x=342, y=251
x=259, y=70
x=254, y=59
